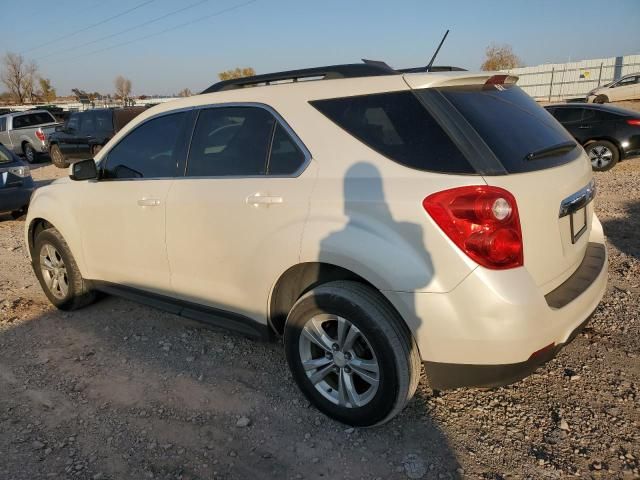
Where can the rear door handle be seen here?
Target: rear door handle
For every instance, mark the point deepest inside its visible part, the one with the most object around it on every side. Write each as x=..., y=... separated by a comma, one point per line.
x=148, y=202
x=585, y=126
x=259, y=199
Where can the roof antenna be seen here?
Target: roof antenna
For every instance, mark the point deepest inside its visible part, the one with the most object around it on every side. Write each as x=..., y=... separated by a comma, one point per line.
x=437, y=50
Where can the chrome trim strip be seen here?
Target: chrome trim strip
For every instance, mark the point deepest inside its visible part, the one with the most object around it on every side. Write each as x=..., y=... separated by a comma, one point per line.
x=576, y=201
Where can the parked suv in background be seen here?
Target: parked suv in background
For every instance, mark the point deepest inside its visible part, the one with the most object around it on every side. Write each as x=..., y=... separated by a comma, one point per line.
x=85, y=133
x=25, y=133
x=16, y=184
x=626, y=88
x=609, y=134
x=375, y=220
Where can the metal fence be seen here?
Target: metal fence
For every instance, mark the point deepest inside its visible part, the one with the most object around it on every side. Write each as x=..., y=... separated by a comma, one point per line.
x=555, y=82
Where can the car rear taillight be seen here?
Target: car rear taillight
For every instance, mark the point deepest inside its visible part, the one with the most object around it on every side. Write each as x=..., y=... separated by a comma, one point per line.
x=40, y=135
x=482, y=221
x=634, y=122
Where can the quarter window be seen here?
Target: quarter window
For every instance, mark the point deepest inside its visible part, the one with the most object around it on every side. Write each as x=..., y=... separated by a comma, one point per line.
x=230, y=141
x=152, y=150
x=285, y=158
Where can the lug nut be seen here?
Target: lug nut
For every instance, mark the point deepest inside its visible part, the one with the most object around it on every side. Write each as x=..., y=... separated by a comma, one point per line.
x=335, y=347
x=347, y=369
x=347, y=356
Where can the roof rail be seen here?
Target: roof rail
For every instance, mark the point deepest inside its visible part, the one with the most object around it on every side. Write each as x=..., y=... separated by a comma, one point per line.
x=352, y=70
x=369, y=68
x=434, y=68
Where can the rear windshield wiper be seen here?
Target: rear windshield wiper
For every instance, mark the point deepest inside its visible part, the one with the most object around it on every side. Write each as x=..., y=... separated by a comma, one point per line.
x=553, y=150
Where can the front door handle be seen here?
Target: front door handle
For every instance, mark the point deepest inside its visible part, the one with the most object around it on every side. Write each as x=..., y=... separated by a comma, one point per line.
x=585, y=126
x=148, y=202
x=260, y=199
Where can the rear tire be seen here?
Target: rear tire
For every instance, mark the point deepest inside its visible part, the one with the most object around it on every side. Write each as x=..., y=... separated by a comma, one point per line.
x=29, y=153
x=58, y=272
x=603, y=155
x=363, y=365
x=601, y=99
x=57, y=158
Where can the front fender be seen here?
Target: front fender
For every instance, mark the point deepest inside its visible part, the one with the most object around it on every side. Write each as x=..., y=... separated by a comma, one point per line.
x=46, y=205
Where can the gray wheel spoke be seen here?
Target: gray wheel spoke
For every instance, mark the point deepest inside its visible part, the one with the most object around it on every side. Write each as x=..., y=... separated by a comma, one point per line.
x=316, y=363
x=316, y=334
x=343, y=329
x=367, y=370
x=347, y=394
x=352, y=335
x=321, y=374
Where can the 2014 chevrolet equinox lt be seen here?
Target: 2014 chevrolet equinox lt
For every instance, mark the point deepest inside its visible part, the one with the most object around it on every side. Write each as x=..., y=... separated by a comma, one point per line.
x=375, y=220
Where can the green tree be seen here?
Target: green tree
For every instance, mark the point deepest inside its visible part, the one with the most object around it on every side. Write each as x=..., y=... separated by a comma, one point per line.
x=47, y=92
x=237, y=73
x=500, y=57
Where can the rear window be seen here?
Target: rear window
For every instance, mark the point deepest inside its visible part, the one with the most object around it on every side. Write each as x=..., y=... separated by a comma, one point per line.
x=32, y=119
x=511, y=123
x=396, y=125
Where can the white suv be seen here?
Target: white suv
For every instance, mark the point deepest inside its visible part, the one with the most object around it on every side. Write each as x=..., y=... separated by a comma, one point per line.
x=375, y=220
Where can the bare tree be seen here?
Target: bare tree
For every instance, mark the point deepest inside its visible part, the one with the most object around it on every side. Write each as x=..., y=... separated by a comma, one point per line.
x=47, y=92
x=500, y=57
x=123, y=88
x=18, y=76
x=185, y=93
x=237, y=73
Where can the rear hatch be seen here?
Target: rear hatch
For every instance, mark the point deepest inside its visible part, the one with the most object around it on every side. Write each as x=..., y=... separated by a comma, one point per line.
x=516, y=145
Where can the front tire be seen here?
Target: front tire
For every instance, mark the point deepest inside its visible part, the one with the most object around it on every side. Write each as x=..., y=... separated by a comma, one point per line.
x=29, y=153
x=57, y=158
x=603, y=155
x=351, y=354
x=58, y=272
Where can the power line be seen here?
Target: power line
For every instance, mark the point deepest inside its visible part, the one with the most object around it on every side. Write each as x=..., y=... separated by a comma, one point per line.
x=126, y=30
x=75, y=32
x=215, y=14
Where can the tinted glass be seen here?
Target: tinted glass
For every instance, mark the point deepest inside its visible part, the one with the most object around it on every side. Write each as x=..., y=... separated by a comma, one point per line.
x=74, y=122
x=151, y=150
x=398, y=126
x=3, y=124
x=286, y=158
x=103, y=120
x=568, y=115
x=32, y=119
x=87, y=123
x=230, y=141
x=512, y=124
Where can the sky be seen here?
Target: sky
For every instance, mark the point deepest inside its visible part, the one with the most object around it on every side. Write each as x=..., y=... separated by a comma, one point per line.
x=164, y=46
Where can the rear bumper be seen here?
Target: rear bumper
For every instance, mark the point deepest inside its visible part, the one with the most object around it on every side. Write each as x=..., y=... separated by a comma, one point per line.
x=495, y=327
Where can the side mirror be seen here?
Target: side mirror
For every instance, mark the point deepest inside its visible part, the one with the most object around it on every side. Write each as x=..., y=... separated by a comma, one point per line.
x=84, y=170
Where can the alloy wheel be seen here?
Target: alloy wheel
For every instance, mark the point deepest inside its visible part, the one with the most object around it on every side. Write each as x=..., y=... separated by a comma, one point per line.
x=339, y=361
x=600, y=156
x=54, y=271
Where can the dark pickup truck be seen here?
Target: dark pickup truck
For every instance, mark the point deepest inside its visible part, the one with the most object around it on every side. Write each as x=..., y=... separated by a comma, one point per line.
x=85, y=133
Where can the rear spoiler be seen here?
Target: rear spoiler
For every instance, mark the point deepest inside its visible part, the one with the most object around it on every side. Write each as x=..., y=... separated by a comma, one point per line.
x=452, y=79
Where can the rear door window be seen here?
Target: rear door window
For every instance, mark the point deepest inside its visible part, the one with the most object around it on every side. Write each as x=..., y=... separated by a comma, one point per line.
x=286, y=158
x=568, y=115
x=397, y=125
x=32, y=119
x=231, y=141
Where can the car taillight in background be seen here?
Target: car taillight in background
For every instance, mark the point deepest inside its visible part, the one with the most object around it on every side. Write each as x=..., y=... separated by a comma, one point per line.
x=482, y=221
x=634, y=122
x=40, y=135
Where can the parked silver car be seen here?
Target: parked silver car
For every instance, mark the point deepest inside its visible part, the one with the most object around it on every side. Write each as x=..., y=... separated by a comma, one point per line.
x=25, y=133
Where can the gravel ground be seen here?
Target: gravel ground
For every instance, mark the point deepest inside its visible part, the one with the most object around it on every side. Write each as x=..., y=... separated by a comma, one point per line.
x=122, y=391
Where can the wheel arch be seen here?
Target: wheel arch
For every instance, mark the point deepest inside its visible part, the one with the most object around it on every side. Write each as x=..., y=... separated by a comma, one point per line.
x=299, y=279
